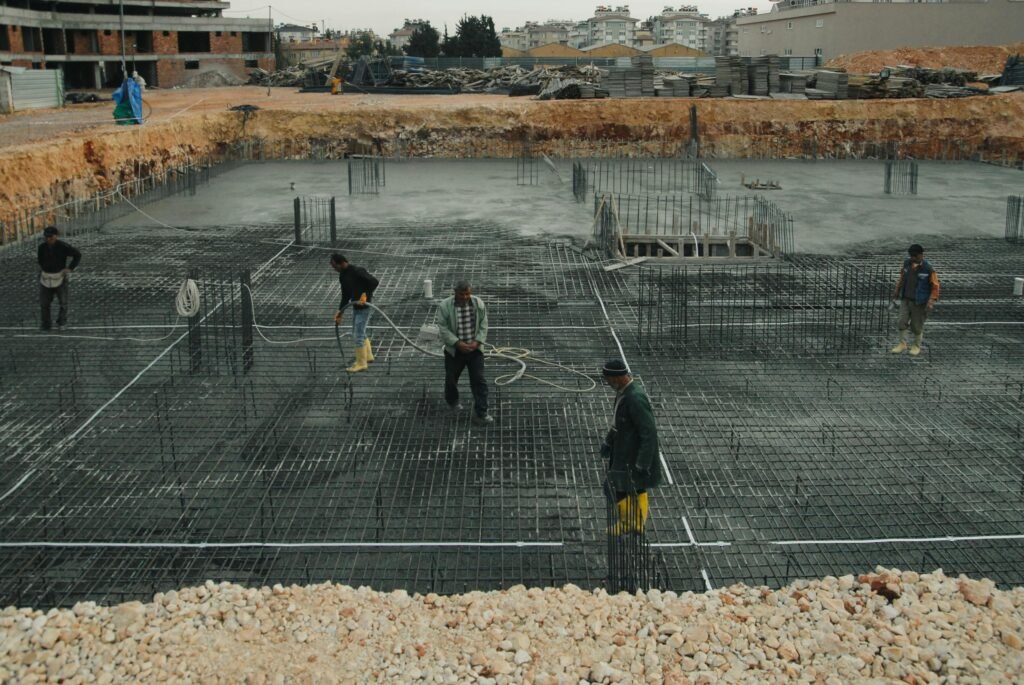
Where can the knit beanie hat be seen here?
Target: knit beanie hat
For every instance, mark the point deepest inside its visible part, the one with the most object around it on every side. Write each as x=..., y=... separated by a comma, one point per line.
x=615, y=367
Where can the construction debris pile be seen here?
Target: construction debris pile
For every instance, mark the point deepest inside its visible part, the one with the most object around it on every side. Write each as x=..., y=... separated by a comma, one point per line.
x=1013, y=72
x=503, y=79
x=561, y=81
x=758, y=77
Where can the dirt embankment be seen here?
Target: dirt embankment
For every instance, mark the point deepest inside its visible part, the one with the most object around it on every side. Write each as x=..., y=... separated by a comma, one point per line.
x=75, y=166
x=982, y=59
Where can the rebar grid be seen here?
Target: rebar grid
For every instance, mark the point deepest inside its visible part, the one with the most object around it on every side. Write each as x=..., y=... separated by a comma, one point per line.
x=630, y=176
x=367, y=174
x=681, y=215
x=763, y=309
x=115, y=484
x=1015, y=218
x=900, y=177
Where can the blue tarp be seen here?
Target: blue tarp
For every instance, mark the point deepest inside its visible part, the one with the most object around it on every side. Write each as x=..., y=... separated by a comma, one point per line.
x=129, y=103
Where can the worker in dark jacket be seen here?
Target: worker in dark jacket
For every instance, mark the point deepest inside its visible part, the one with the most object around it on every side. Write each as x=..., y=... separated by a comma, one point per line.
x=357, y=286
x=917, y=290
x=53, y=258
x=631, y=447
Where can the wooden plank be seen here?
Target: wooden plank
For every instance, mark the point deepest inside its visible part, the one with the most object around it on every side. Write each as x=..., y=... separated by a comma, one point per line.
x=624, y=263
x=668, y=249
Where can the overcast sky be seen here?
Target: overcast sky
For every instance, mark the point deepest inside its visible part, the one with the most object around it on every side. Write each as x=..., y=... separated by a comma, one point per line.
x=384, y=16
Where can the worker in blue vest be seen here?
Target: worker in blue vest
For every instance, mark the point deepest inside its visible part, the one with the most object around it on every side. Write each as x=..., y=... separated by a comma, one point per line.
x=917, y=291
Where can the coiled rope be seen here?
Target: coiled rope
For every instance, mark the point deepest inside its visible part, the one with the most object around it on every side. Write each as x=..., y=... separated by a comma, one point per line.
x=187, y=302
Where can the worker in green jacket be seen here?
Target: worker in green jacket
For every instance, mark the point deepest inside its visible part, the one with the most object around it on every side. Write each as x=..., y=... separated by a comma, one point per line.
x=631, y=447
x=462, y=322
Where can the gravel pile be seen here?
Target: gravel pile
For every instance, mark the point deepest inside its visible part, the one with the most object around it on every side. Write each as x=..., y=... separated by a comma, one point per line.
x=886, y=626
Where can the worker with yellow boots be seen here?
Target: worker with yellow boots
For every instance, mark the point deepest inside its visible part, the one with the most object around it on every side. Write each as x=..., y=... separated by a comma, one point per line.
x=357, y=286
x=631, y=448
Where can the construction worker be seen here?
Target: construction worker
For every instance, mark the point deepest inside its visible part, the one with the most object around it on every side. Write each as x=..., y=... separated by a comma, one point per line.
x=54, y=269
x=917, y=290
x=631, y=448
x=462, y=321
x=357, y=286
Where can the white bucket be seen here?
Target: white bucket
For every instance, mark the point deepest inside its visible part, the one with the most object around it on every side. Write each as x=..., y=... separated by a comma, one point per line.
x=1018, y=286
x=428, y=289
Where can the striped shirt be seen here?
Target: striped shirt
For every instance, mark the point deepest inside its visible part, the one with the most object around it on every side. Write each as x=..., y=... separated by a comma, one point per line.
x=466, y=322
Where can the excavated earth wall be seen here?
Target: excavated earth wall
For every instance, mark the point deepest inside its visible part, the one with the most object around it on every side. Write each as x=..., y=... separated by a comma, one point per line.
x=45, y=174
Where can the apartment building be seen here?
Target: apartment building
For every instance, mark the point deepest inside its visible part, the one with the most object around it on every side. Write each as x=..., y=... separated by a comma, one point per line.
x=611, y=25
x=294, y=33
x=828, y=28
x=399, y=38
x=166, y=41
x=547, y=33
x=685, y=26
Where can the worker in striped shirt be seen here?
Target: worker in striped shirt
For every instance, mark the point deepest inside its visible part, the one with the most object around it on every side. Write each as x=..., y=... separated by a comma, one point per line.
x=462, y=321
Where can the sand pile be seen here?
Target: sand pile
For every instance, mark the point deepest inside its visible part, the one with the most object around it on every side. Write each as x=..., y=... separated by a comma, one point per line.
x=985, y=59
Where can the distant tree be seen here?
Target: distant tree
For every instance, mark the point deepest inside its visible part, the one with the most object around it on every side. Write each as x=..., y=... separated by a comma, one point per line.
x=474, y=37
x=361, y=43
x=385, y=48
x=424, y=42
x=449, y=44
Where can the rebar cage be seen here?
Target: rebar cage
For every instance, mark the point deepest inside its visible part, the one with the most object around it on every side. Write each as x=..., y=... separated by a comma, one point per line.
x=1015, y=218
x=367, y=174
x=900, y=177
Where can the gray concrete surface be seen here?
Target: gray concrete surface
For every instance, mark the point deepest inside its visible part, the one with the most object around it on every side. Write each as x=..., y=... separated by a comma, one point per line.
x=837, y=205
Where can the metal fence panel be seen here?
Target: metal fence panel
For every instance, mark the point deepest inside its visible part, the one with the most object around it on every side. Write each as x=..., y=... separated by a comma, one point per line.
x=37, y=88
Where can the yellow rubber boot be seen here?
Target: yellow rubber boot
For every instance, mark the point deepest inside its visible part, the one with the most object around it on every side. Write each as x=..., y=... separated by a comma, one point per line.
x=369, y=351
x=915, y=349
x=902, y=346
x=621, y=527
x=640, y=512
x=360, y=364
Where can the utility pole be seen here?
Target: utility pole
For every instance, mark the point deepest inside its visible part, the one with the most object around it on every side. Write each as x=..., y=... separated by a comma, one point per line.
x=124, y=65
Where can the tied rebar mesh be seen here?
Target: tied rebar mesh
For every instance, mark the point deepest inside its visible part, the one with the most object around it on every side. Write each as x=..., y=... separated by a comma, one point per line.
x=527, y=172
x=800, y=307
x=580, y=182
x=367, y=174
x=630, y=176
x=900, y=177
x=688, y=218
x=771, y=228
x=632, y=564
x=1015, y=218
x=220, y=335
x=79, y=217
x=315, y=220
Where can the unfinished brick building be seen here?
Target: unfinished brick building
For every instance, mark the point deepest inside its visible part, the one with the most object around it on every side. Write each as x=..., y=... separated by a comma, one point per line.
x=166, y=41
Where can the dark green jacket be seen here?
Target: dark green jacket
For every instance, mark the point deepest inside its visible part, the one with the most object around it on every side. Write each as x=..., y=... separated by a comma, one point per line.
x=632, y=447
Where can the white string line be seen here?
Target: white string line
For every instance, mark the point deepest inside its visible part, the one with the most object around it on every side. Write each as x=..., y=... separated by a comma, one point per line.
x=289, y=327
x=182, y=111
x=148, y=216
x=889, y=541
x=604, y=311
x=443, y=543
x=809, y=321
x=264, y=545
x=78, y=431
